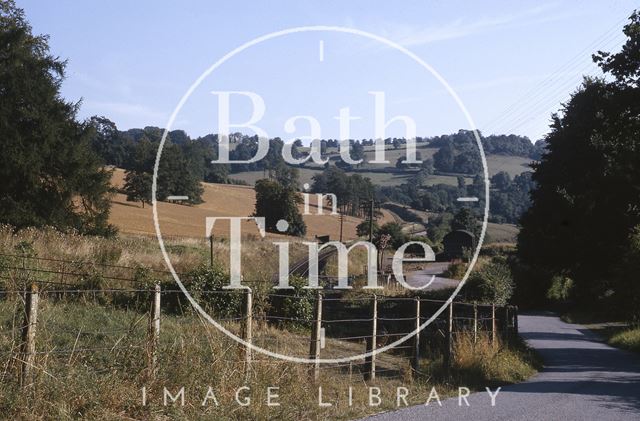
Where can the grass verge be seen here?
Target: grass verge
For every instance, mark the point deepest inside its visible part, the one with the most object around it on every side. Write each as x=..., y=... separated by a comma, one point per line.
x=619, y=334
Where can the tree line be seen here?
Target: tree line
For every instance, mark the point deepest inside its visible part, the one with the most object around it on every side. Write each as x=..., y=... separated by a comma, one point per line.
x=353, y=191
x=580, y=238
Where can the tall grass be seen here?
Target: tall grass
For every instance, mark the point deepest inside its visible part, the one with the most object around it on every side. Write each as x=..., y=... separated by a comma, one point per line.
x=92, y=359
x=627, y=339
x=485, y=363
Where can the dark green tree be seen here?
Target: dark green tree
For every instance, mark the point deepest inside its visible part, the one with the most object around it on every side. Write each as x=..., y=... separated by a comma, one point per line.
x=49, y=173
x=394, y=230
x=137, y=187
x=465, y=220
x=275, y=202
x=586, y=203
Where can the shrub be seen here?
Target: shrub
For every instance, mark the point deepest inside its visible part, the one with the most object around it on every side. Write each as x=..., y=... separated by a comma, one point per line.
x=297, y=303
x=455, y=270
x=205, y=286
x=492, y=284
x=560, y=289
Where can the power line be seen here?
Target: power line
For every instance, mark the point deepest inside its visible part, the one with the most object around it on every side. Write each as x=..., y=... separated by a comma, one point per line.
x=537, y=90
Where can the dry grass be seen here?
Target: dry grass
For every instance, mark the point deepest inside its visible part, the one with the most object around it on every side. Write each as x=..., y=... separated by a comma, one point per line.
x=502, y=233
x=219, y=200
x=88, y=365
x=105, y=385
x=485, y=363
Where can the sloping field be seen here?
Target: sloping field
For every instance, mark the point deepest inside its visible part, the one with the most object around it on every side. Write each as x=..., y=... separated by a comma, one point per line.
x=219, y=200
x=502, y=233
x=514, y=165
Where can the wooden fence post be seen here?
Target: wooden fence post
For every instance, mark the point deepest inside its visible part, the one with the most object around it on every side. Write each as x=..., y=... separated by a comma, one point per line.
x=29, y=334
x=211, y=248
x=449, y=338
x=370, y=361
x=505, y=324
x=493, y=323
x=154, y=332
x=316, y=332
x=475, y=323
x=416, y=338
x=248, y=326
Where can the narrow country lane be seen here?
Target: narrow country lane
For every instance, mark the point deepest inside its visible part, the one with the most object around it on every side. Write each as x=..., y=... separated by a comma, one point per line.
x=582, y=379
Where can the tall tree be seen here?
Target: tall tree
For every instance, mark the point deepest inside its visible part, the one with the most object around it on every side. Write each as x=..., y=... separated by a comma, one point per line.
x=49, y=173
x=275, y=202
x=137, y=187
x=465, y=220
x=586, y=203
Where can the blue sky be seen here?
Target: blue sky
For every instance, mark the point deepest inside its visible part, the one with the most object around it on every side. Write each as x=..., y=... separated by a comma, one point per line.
x=511, y=63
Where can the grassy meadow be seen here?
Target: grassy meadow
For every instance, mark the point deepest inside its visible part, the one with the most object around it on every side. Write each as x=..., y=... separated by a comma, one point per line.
x=92, y=348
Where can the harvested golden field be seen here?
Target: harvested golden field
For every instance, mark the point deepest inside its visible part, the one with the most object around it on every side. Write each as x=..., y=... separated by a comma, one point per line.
x=219, y=200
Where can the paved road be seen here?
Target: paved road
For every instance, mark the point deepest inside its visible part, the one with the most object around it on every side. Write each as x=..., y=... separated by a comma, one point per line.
x=583, y=379
x=419, y=278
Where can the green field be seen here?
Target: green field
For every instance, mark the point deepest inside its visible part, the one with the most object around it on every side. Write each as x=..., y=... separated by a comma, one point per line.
x=252, y=176
x=513, y=165
x=392, y=156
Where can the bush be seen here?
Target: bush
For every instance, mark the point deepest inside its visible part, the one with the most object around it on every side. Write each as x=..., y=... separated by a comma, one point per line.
x=205, y=286
x=455, y=270
x=393, y=229
x=297, y=303
x=560, y=289
x=492, y=284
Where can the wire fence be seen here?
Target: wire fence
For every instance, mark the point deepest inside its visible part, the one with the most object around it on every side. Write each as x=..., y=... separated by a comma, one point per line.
x=315, y=325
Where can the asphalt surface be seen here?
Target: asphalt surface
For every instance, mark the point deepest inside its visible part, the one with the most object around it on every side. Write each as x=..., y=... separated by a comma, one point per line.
x=582, y=379
x=421, y=277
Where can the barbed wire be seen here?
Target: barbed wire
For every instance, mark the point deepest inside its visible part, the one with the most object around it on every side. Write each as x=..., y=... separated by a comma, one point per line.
x=80, y=262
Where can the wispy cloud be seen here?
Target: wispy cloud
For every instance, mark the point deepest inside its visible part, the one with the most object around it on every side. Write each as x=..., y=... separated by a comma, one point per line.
x=415, y=35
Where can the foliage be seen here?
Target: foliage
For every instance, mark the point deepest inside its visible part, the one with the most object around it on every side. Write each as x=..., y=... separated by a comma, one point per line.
x=362, y=229
x=512, y=145
x=49, y=173
x=625, y=65
x=352, y=191
x=297, y=303
x=465, y=220
x=627, y=295
x=455, y=270
x=458, y=154
x=510, y=198
x=627, y=339
x=137, y=187
x=274, y=202
x=585, y=204
x=560, y=289
x=203, y=280
x=439, y=226
x=178, y=173
x=394, y=230
x=491, y=284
